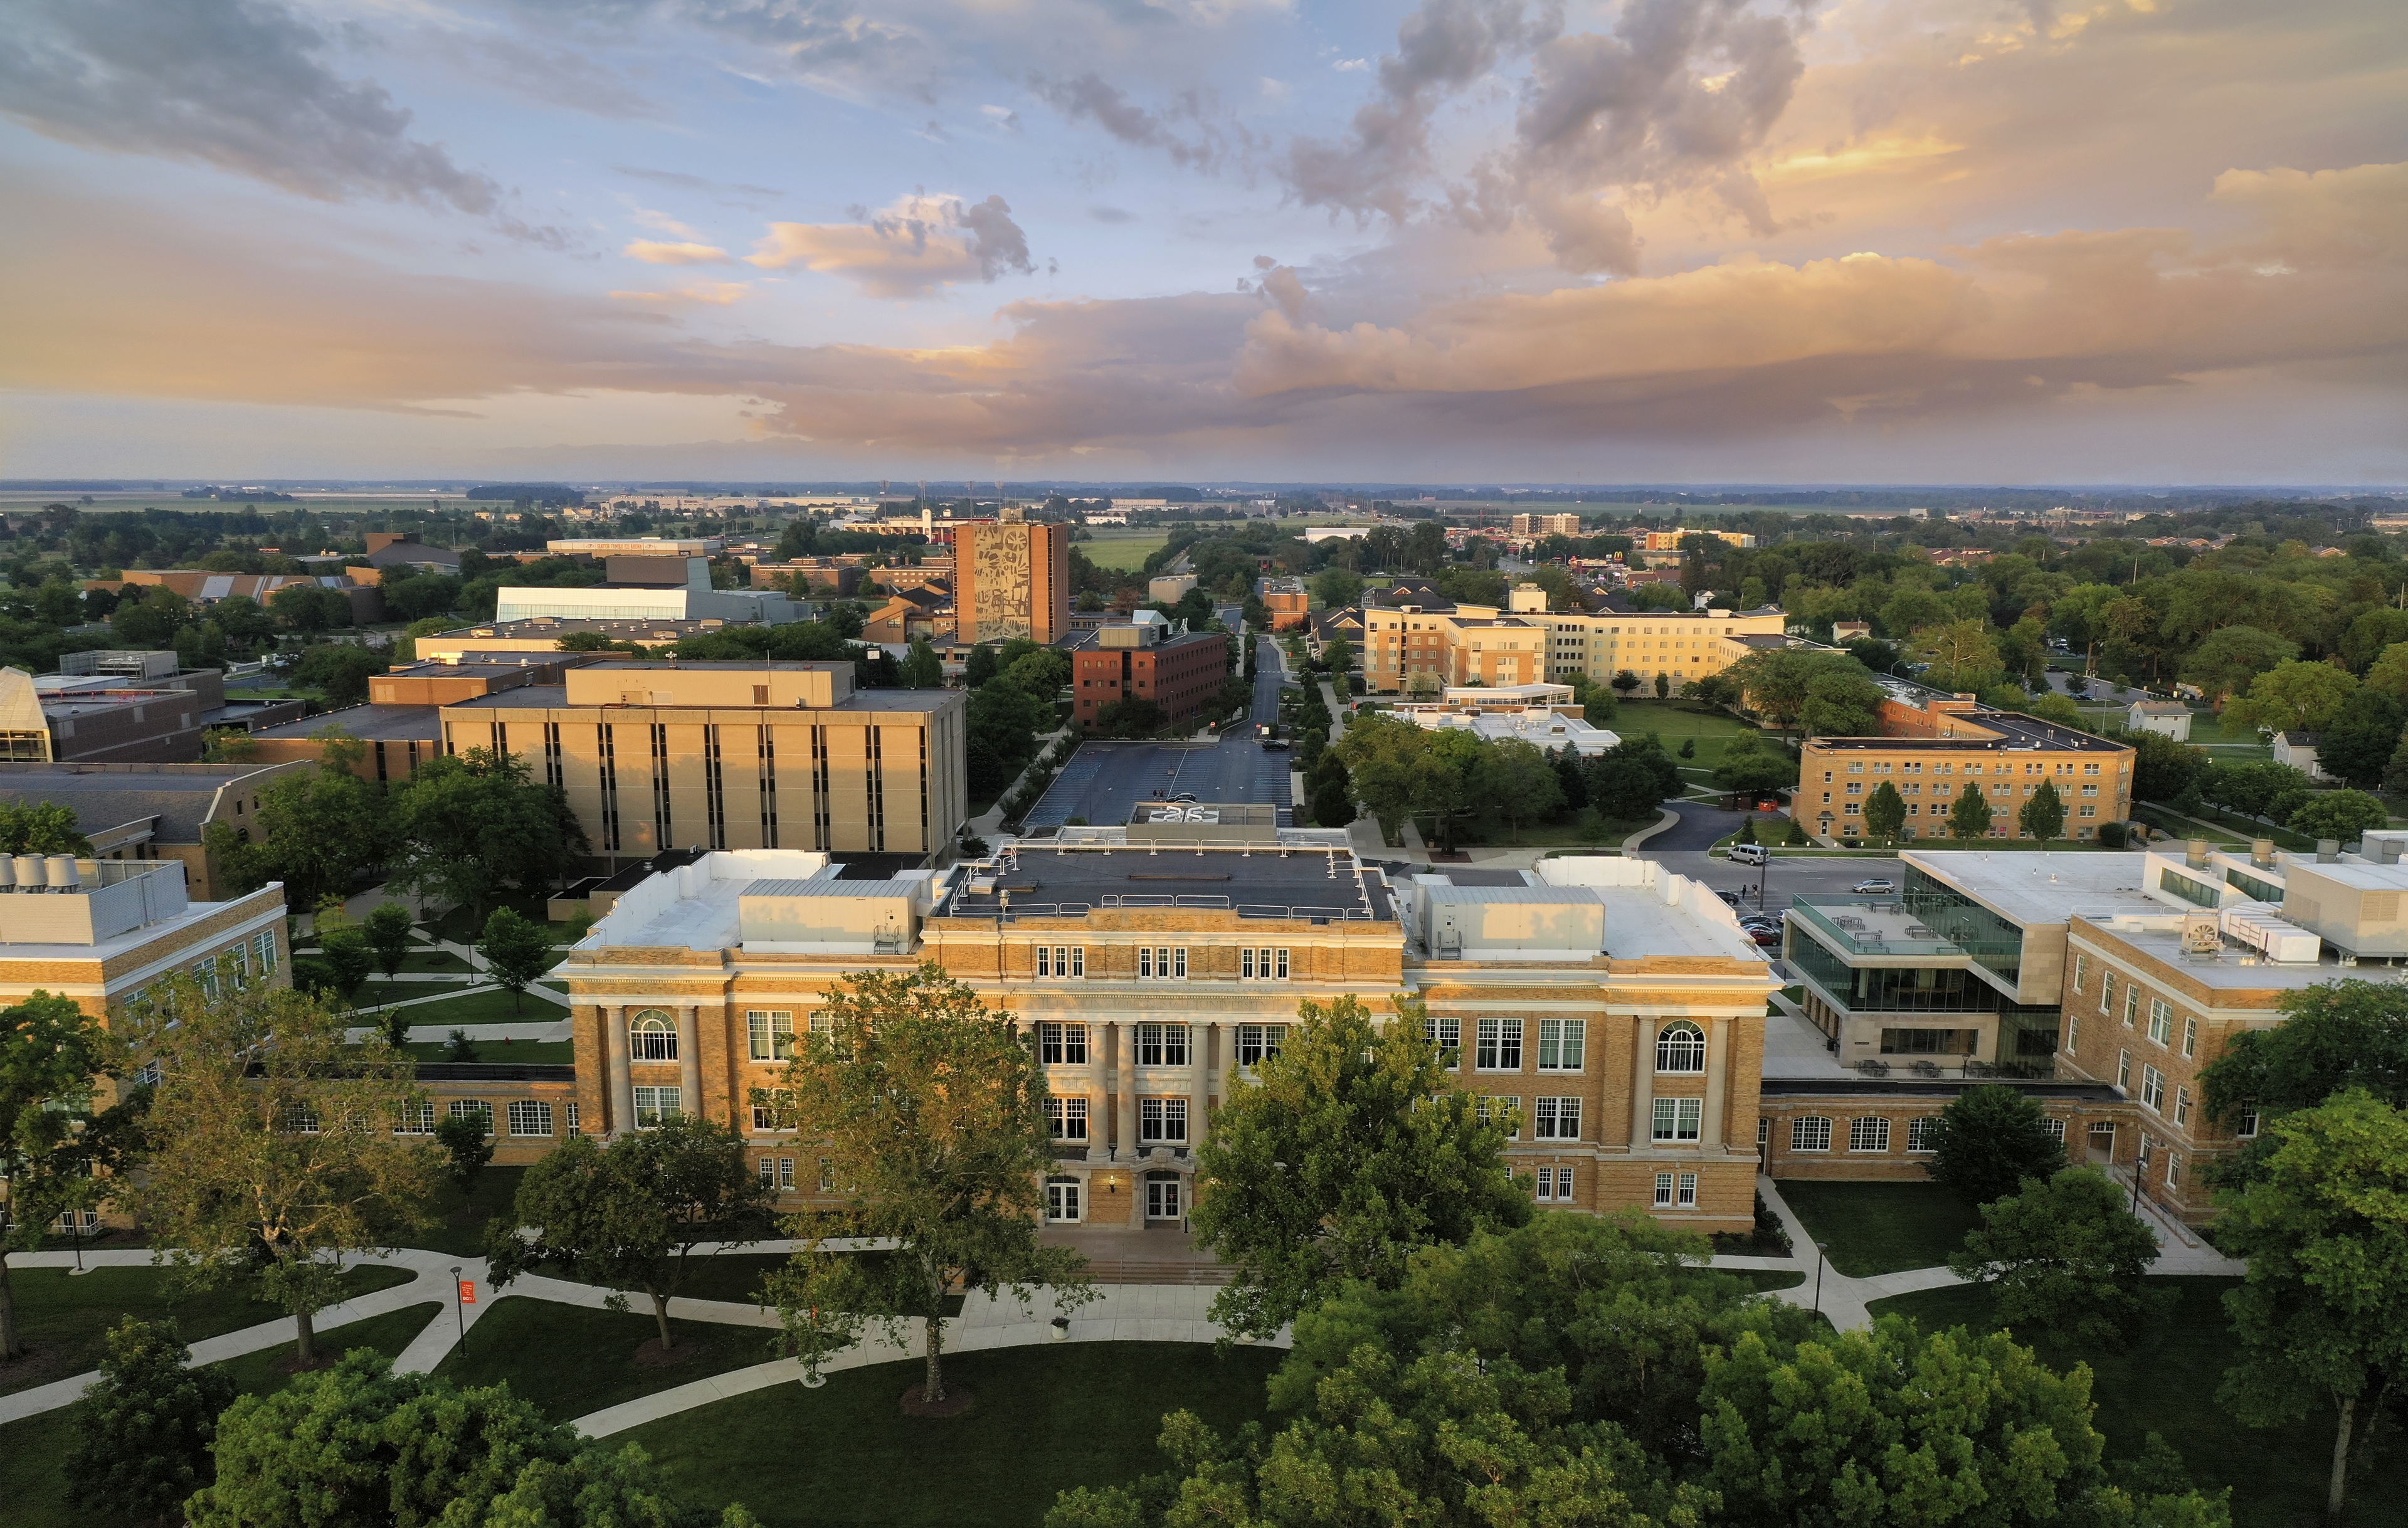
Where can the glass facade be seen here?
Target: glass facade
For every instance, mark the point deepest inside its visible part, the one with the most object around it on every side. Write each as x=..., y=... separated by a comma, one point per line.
x=2199, y=894
x=1995, y=944
x=1894, y=989
x=2263, y=891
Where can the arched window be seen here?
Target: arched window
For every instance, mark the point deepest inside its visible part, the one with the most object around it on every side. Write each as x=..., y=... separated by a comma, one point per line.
x=1681, y=1047
x=653, y=1036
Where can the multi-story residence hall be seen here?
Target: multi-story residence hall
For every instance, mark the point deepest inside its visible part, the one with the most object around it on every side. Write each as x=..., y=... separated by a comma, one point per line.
x=1420, y=633
x=657, y=755
x=2137, y=968
x=1613, y=1007
x=1938, y=746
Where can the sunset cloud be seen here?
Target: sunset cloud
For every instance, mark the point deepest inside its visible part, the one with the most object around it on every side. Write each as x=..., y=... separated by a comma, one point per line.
x=914, y=247
x=656, y=253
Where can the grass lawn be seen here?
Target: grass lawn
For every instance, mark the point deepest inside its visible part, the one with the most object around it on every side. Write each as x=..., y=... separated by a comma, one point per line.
x=1127, y=551
x=1675, y=721
x=33, y=1451
x=460, y=1217
x=2166, y=1382
x=531, y=1053
x=733, y=1275
x=433, y=960
x=62, y=1316
x=1878, y=1228
x=570, y=1360
x=1585, y=829
x=1047, y=1418
x=1765, y=1279
x=377, y=994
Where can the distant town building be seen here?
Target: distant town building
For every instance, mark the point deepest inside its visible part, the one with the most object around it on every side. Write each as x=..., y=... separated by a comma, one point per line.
x=1011, y=578
x=1546, y=525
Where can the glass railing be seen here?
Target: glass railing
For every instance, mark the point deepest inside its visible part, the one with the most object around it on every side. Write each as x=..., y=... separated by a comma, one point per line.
x=1874, y=926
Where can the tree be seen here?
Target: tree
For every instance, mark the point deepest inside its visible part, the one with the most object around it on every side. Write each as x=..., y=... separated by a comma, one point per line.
x=2294, y=696
x=470, y=825
x=2042, y=816
x=921, y=668
x=1987, y=1140
x=931, y=1109
x=466, y=1142
x=2334, y=1036
x=2227, y=662
x=2162, y=768
x=316, y=830
x=2322, y=1317
x=309, y=608
x=2339, y=815
x=1337, y=587
x=1519, y=782
x=1626, y=681
x=2389, y=673
x=1133, y=716
x=1961, y=655
x=1347, y=1152
x=2357, y=744
x=1968, y=818
x=152, y=618
x=982, y=666
x=386, y=928
x=1663, y=686
x=341, y=966
x=56, y=1137
x=360, y=1444
x=1753, y=766
x=628, y=1215
x=1885, y=812
x=337, y=670
x=1842, y=701
x=273, y=1145
x=2249, y=788
x=41, y=827
x=2065, y=1255
x=142, y=1432
x=516, y=951
x=1892, y=1425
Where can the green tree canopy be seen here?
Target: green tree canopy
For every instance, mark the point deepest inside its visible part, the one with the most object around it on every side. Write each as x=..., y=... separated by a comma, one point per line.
x=386, y=928
x=58, y=1131
x=931, y=1110
x=316, y=830
x=516, y=950
x=628, y=1215
x=2338, y=815
x=1886, y=813
x=2042, y=816
x=41, y=827
x=2227, y=662
x=1988, y=1139
x=2323, y=1314
x=2294, y=696
x=468, y=826
x=2334, y=1036
x=1968, y=816
x=142, y=1432
x=2065, y=1255
x=1347, y=1152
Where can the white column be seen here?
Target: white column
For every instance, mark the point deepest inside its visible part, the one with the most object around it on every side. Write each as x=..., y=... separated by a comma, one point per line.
x=1718, y=1083
x=1642, y=1084
x=1124, y=1068
x=689, y=1062
x=618, y=1101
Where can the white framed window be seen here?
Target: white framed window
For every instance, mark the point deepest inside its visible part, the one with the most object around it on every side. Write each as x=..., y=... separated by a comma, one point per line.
x=2131, y=1004
x=2245, y=1125
x=1679, y=1047
x=652, y=1036
x=2191, y=1036
x=1555, y=1119
x=1162, y=1045
x=1555, y=1186
x=2174, y=1169
x=786, y=1175
x=1061, y=960
x=1919, y=1133
x=1162, y=1120
x=1446, y=1033
x=1062, y=1199
x=1679, y=1118
x=1262, y=965
x=769, y=1171
x=266, y=947
x=1067, y=1118
x=530, y=1117
x=474, y=1108
x=827, y=1176
x=2161, y=1022
x=2072, y=1033
x=2081, y=971
x=1663, y=1191
x=1258, y=1042
x=1563, y=1044
x=2106, y=991
x=1809, y=1132
x=1687, y=1197
x=1500, y=1046
x=1162, y=1198
x=653, y=1105
x=1869, y=1132
x=2056, y=1129
x=301, y=1120
x=2153, y=1089
x=2181, y=1105
x=770, y=1034
x=1158, y=963
x=2124, y=1070
x=416, y=1119
x=1062, y=1045
x=1499, y=1109
x=574, y=1127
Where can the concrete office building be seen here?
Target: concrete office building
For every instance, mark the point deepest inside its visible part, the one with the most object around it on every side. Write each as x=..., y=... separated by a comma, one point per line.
x=1614, y=1009
x=658, y=755
x=1011, y=578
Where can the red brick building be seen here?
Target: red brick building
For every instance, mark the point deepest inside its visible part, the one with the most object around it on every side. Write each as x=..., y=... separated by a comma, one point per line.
x=1180, y=675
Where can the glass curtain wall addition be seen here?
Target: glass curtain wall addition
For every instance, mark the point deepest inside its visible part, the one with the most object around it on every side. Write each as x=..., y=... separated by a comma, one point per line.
x=1995, y=944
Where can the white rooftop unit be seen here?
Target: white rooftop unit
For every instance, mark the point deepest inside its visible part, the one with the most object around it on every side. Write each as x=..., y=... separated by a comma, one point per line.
x=2262, y=927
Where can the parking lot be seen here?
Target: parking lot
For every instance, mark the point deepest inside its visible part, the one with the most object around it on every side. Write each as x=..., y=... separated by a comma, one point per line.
x=1104, y=781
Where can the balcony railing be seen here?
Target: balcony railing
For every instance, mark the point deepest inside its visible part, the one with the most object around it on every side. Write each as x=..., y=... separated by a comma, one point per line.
x=1873, y=926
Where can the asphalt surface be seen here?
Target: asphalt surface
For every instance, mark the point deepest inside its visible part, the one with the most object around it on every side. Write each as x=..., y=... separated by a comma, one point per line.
x=1104, y=782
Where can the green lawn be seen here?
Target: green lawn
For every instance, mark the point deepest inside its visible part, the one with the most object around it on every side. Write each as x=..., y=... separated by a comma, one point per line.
x=735, y=1276
x=460, y=1218
x=1676, y=722
x=1124, y=550
x=64, y=1316
x=570, y=1360
x=1877, y=1228
x=32, y=1451
x=1047, y=1418
x=423, y=960
x=2166, y=1382
x=377, y=994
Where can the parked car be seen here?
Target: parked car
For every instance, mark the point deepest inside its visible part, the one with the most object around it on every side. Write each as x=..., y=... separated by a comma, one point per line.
x=1765, y=937
x=1877, y=886
x=1731, y=897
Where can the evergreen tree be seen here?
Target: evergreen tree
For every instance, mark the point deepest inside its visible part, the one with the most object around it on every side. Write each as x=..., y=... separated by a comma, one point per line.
x=142, y=1432
x=2043, y=815
x=1886, y=813
x=1969, y=818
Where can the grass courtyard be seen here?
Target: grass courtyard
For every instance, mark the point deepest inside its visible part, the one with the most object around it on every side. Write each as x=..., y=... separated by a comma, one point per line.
x=2166, y=1382
x=1878, y=1228
x=1124, y=550
x=589, y=1357
x=1047, y=1418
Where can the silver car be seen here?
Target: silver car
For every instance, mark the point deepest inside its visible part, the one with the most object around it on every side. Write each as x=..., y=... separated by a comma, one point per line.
x=1876, y=887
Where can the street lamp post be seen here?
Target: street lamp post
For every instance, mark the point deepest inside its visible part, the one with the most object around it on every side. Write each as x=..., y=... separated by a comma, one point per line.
x=460, y=1313
x=1822, y=1255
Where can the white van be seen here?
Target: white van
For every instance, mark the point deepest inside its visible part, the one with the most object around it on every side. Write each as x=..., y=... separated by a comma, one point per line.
x=1749, y=854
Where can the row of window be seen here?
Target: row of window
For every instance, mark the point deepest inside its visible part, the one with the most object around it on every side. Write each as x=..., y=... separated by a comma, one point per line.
x=1858, y=768
x=239, y=959
x=1548, y=1119
x=1869, y=1132
x=525, y=1116
x=1563, y=1044
x=1160, y=1122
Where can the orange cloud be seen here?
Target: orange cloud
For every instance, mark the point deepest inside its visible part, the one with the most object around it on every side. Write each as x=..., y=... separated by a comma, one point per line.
x=656, y=253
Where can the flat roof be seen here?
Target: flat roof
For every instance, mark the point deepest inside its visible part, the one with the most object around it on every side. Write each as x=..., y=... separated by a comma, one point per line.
x=369, y=723
x=2045, y=887
x=2233, y=968
x=106, y=796
x=539, y=697
x=1281, y=883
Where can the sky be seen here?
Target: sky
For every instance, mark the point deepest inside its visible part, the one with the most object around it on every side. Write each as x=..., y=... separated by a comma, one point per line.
x=2149, y=241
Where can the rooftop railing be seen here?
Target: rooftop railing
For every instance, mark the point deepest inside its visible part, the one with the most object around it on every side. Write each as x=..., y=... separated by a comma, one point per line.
x=1873, y=926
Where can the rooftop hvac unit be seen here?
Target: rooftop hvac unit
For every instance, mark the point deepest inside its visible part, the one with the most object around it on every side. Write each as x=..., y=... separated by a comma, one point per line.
x=2200, y=934
x=2258, y=926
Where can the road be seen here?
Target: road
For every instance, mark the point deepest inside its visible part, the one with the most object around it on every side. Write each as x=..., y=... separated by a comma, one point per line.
x=1105, y=781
